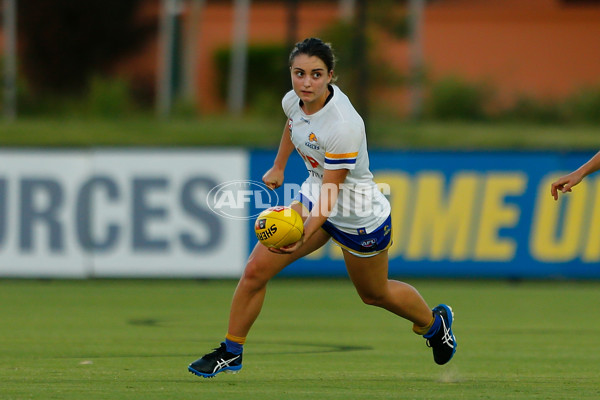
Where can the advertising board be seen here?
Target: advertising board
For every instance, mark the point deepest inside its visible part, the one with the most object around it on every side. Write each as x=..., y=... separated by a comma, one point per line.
x=118, y=213
x=474, y=214
x=189, y=213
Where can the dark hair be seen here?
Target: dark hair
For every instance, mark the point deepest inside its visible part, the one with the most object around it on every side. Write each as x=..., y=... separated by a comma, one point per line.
x=315, y=47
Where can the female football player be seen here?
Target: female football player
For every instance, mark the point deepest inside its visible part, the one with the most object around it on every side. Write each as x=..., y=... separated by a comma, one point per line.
x=328, y=133
x=565, y=183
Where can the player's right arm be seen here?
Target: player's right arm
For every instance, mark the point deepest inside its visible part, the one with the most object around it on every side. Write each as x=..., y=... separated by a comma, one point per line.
x=565, y=183
x=273, y=178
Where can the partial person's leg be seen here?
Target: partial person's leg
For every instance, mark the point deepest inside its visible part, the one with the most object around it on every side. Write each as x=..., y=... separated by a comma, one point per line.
x=370, y=277
x=247, y=303
x=261, y=267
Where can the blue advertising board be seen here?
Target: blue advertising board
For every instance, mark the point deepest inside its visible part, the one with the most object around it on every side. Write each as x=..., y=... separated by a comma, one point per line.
x=472, y=214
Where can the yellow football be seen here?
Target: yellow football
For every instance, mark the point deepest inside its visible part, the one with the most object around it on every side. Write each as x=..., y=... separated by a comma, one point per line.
x=278, y=226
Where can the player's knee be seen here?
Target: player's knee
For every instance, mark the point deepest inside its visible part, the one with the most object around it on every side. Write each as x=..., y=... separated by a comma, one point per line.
x=373, y=299
x=254, y=275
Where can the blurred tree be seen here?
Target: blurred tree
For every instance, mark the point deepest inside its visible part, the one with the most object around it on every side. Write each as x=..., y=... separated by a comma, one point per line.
x=63, y=43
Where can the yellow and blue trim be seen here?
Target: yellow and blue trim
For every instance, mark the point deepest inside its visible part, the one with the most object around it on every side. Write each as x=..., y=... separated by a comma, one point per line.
x=340, y=159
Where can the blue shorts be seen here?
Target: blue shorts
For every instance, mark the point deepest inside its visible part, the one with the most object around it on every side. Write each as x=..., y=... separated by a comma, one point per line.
x=361, y=244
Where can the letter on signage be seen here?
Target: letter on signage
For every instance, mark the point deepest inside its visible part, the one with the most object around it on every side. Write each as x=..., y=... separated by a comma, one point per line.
x=196, y=211
x=557, y=226
x=85, y=212
x=496, y=214
x=442, y=224
x=143, y=213
x=32, y=214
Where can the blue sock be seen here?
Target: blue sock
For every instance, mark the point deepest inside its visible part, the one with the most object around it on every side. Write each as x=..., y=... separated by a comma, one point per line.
x=434, y=328
x=233, y=347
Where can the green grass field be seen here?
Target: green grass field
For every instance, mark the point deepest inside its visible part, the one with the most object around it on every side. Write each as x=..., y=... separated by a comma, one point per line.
x=129, y=339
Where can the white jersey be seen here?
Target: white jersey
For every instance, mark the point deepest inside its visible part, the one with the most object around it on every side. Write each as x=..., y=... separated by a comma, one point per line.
x=334, y=138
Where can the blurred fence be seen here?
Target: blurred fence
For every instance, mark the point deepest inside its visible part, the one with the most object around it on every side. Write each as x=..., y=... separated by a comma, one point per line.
x=530, y=55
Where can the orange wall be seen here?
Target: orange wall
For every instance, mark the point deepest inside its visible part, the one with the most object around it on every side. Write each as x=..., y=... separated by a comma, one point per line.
x=542, y=48
x=539, y=47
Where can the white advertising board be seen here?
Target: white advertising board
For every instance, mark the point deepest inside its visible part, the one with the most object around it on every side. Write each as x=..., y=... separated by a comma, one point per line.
x=118, y=213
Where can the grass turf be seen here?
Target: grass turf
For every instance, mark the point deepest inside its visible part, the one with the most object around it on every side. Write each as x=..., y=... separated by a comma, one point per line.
x=129, y=339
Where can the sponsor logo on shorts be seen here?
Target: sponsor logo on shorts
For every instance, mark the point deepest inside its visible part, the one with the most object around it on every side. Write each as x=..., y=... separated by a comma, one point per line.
x=369, y=243
x=386, y=230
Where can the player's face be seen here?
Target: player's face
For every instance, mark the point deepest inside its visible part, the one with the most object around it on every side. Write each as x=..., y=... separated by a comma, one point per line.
x=309, y=80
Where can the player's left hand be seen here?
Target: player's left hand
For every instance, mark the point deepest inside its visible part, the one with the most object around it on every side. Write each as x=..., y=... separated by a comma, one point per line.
x=290, y=248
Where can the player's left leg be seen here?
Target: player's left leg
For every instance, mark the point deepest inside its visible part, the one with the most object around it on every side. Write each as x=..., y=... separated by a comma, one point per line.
x=370, y=278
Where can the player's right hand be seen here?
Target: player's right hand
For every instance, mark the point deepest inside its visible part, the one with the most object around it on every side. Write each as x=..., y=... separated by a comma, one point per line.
x=273, y=178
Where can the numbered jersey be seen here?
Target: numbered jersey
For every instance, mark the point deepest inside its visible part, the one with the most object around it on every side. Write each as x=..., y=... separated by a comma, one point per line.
x=334, y=138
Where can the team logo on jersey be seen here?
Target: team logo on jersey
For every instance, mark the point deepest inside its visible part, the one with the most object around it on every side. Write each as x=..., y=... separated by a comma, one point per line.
x=312, y=142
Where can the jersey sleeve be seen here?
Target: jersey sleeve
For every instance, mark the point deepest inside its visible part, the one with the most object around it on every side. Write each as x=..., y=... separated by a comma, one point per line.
x=342, y=148
x=288, y=102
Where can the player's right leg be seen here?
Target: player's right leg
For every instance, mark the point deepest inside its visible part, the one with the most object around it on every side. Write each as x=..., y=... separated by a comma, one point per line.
x=247, y=303
x=261, y=267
